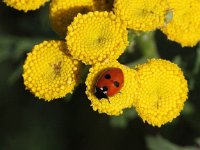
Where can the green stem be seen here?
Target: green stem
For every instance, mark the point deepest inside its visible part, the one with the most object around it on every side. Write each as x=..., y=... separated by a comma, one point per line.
x=147, y=46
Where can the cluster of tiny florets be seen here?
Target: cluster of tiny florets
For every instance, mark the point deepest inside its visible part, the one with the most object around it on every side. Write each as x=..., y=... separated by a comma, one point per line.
x=178, y=19
x=49, y=72
x=124, y=99
x=62, y=13
x=142, y=15
x=25, y=5
x=185, y=24
x=162, y=91
x=96, y=36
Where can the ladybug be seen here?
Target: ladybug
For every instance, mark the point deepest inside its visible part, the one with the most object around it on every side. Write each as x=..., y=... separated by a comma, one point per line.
x=109, y=83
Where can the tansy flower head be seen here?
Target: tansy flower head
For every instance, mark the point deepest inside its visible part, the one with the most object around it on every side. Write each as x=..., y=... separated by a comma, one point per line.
x=62, y=13
x=115, y=104
x=25, y=5
x=185, y=24
x=162, y=91
x=96, y=36
x=49, y=72
x=142, y=15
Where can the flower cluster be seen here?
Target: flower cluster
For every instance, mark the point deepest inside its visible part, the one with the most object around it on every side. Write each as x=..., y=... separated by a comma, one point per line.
x=178, y=19
x=95, y=35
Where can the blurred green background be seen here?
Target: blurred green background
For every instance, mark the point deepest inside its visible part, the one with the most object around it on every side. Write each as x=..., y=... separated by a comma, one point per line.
x=27, y=123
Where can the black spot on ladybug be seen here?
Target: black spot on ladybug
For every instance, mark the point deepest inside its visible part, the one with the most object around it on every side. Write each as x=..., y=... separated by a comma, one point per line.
x=100, y=93
x=105, y=88
x=107, y=76
x=116, y=83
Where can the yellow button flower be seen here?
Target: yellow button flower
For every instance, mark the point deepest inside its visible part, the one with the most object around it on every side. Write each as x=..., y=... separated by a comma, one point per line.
x=185, y=24
x=96, y=36
x=49, y=72
x=25, y=5
x=62, y=13
x=162, y=91
x=123, y=99
x=142, y=15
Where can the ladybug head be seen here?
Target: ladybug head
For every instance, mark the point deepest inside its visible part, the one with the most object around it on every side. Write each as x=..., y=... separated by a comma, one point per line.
x=101, y=92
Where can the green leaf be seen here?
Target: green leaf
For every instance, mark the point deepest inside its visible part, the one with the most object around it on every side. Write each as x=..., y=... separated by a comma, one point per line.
x=159, y=143
x=118, y=122
x=196, y=69
x=12, y=47
x=177, y=60
x=68, y=97
x=16, y=74
x=139, y=61
x=4, y=55
x=145, y=42
x=189, y=109
x=188, y=73
x=122, y=120
x=84, y=72
x=130, y=113
x=198, y=141
x=147, y=45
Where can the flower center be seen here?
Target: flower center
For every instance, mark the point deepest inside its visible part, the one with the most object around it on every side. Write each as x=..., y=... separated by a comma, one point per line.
x=57, y=68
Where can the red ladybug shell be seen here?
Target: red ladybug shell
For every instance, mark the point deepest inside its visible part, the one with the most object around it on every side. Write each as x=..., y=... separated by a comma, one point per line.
x=110, y=82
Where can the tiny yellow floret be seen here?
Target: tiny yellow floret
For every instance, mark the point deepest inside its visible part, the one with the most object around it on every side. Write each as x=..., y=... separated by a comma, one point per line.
x=142, y=15
x=96, y=36
x=184, y=27
x=162, y=91
x=25, y=5
x=62, y=13
x=49, y=72
x=123, y=99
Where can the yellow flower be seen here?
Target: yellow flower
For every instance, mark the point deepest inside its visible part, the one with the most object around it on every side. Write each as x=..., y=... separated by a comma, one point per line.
x=124, y=99
x=185, y=24
x=162, y=91
x=25, y=5
x=142, y=15
x=96, y=36
x=103, y=5
x=49, y=72
x=62, y=13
